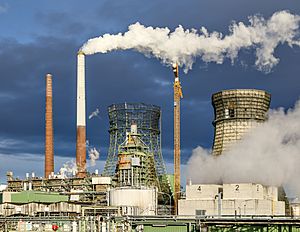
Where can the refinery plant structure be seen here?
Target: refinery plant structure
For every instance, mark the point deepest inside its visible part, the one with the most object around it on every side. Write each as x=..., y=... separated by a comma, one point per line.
x=145, y=121
x=134, y=191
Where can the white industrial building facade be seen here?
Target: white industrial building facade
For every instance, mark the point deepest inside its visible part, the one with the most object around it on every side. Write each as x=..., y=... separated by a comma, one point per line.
x=231, y=199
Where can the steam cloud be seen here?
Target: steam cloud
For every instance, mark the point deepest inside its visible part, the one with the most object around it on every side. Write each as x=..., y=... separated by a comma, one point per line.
x=68, y=169
x=94, y=114
x=184, y=45
x=269, y=154
x=94, y=155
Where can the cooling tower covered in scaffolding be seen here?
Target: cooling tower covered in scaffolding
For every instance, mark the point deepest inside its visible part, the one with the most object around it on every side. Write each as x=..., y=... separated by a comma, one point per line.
x=147, y=119
x=236, y=112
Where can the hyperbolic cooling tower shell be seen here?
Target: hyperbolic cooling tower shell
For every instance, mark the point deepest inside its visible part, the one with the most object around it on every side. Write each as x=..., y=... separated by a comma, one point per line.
x=147, y=119
x=236, y=112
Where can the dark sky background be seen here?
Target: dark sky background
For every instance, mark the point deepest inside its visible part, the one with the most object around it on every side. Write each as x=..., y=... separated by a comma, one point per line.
x=40, y=37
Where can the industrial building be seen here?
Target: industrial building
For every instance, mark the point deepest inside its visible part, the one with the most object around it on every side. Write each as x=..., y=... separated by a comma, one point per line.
x=147, y=119
x=135, y=188
x=134, y=191
x=135, y=147
x=231, y=199
x=236, y=113
x=73, y=192
x=136, y=180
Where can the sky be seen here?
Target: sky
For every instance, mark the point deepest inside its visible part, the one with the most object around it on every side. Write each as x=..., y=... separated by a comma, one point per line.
x=40, y=37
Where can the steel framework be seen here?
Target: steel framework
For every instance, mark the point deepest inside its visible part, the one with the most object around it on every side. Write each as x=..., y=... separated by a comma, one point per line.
x=147, y=118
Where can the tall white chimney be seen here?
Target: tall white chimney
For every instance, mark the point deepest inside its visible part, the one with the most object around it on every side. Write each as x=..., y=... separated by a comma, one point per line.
x=81, y=127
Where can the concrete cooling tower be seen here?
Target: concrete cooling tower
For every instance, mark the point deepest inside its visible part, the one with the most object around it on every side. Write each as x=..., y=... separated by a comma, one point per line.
x=147, y=119
x=236, y=112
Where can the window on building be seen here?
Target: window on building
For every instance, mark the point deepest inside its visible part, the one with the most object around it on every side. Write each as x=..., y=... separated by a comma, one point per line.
x=200, y=212
x=226, y=113
x=231, y=113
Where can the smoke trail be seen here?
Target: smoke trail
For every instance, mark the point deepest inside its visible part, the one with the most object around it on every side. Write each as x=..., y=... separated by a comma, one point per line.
x=184, y=45
x=269, y=154
x=69, y=168
x=94, y=114
x=94, y=155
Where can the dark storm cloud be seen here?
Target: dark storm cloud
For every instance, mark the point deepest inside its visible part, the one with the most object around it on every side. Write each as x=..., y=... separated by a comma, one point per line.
x=113, y=78
x=61, y=23
x=23, y=68
x=214, y=14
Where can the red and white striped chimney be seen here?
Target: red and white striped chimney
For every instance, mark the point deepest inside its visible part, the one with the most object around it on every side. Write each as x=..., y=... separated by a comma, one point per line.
x=81, y=124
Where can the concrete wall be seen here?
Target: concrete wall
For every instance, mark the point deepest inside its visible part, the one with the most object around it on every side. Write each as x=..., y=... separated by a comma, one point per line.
x=271, y=193
x=189, y=207
x=249, y=191
x=295, y=209
x=253, y=207
x=6, y=196
x=231, y=191
x=32, y=209
x=243, y=191
x=236, y=199
x=202, y=191
x=232, y=207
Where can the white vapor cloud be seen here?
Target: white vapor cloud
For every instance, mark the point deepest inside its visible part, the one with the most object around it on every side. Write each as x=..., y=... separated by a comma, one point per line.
x=94, y=154
x=69, y=168
x=184, y=45
x=94, y=113
x=269, y=154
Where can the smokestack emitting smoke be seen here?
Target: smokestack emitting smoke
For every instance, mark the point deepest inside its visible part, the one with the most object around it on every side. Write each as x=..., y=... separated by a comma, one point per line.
x=81, y=128
x=269, y=154
x=49, y=152
x=184, y=46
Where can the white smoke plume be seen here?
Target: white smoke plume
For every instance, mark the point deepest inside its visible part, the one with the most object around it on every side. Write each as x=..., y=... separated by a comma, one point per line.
x=94, y=155
x=68, y=169
x=185, y=45
x=94, y=113
x=269, y=154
